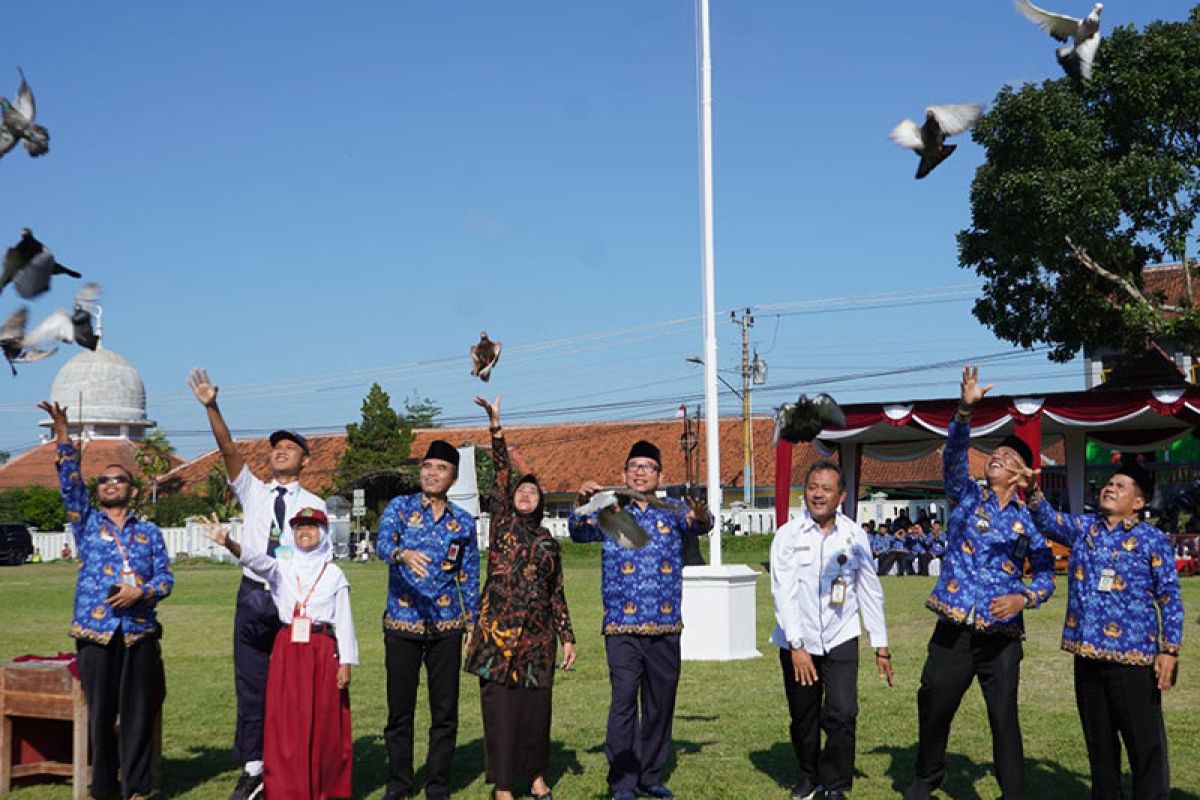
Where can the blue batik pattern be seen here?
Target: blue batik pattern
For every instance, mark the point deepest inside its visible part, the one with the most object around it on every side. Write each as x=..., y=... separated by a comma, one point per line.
x=878, y=544
x=983, y=543
x=447, y=599
x=100, y=562
x=1122, y=624
x=642, y=588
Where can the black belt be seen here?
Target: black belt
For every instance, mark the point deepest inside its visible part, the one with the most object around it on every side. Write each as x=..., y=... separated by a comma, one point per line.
x=255, y=584
x=324, y=627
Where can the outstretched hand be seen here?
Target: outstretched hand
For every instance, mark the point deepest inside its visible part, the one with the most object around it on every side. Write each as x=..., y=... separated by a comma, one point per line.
x=492, y=409
x=1024, y=478
x=202, y=387
x=58, y=416
x=697, y=509
x=971, y=393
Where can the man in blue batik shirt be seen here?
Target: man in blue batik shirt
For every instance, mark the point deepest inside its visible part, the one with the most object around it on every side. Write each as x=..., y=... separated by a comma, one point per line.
x=979, y=597
x=433, y=598
x=642, y=589
x=123, y=574
x=1124, y=624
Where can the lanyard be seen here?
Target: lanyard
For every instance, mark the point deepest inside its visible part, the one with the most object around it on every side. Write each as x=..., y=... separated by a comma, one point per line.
x=112, y=531
x=303, y=604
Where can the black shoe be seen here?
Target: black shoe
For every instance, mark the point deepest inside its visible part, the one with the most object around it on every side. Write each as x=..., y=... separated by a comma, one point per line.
x=661, y=792
x=834, y=794
x=249, y=787
x=803, y=791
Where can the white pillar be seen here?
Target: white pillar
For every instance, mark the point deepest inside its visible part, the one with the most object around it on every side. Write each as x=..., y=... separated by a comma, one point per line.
x=1075, y=452
x=719, y=612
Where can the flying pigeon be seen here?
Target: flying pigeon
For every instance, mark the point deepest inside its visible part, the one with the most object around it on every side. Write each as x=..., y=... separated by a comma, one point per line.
x=19, y=123
x=484, y=356
x=60, y=326
x=803, y=420
x=613, y=520
x=29, y=265
x=928, y=139
x=1075, y=58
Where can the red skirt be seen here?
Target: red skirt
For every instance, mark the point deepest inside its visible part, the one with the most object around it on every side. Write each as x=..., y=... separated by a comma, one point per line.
x=307, y=751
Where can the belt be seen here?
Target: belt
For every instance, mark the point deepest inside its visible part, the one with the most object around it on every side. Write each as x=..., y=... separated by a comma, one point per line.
x=324, y=627
x=255, y=584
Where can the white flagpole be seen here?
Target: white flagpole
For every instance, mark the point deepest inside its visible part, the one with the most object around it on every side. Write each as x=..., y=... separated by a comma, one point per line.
x=711, y=411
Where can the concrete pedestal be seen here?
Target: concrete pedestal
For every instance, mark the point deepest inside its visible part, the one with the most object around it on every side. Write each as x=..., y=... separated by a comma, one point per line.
x=719, y=613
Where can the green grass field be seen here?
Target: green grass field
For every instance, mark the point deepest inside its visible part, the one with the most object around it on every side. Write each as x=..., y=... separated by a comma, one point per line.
x=730, y=719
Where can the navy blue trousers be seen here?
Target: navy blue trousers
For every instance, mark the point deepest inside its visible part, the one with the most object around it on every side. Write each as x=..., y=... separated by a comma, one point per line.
x=645, y=668
x=254, y=627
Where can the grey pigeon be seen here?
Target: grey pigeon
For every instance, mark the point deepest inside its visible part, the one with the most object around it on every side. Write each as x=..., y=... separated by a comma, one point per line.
x=484, y=356
x=12, y=334
x=613, y=520
x=1075, y=58
x=928, y=140
x=803, y=420
x=29, y=264
x=20, y=123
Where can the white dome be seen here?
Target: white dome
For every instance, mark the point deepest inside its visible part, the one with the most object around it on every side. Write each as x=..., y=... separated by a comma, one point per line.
x=112, y=390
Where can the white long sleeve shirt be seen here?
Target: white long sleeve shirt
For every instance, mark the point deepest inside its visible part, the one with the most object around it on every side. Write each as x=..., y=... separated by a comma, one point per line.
x=804, y=566
x=329, y=602
x=257, y=499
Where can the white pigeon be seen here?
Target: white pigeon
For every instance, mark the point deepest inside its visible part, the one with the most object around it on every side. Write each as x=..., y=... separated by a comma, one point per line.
x=66, y=326
x=928, y=140
x=1075, y=58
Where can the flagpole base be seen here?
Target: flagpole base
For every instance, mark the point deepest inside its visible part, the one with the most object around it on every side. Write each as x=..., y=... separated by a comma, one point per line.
x=719, y=613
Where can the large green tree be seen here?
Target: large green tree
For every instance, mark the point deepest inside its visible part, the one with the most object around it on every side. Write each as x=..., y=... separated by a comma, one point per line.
x=1084, y=185
x=376, y=458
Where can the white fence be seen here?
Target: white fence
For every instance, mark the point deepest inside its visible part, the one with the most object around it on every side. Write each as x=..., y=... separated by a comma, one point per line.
x=186, y=541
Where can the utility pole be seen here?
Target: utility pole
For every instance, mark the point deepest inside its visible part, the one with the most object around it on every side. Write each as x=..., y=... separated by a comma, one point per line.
x=746, y=323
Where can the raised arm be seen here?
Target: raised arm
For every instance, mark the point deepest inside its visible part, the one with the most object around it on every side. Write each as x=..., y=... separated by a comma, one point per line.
x=206, y=393
x=956, y=475
x=501, y=505
x=70, y=481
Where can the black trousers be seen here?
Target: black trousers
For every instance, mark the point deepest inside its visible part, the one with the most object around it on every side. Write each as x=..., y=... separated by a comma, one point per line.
x=923, y=560
x=1120, y=699
x=403, y=657
x=126, y=683
x=831, y=705
x=516, y=732
x=957, y=655
x=886, y=561
x=255, y=624
x=645, y=668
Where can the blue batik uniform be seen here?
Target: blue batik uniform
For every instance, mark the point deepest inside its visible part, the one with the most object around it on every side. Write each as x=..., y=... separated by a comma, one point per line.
x=99, y=544
x=448, y=598
x=878, y=544
x=986, y=547
x=917, y=544
x=937, y=545
x=642, y=588
x=1123, y=623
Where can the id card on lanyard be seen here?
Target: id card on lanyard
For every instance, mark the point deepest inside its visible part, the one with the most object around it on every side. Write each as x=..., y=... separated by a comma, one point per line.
x=128, y=576
x=301, y=623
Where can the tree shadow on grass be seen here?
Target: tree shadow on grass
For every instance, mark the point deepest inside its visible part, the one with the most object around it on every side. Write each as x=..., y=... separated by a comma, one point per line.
x=1043, y=777
x=196, y=767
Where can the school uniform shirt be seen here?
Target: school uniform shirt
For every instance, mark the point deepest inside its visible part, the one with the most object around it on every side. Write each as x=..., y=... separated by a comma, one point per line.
x=878, y=544
x=1121, y=624
x=329, y=602
x=642, y=588
x=257, y=499
x=804, y=566
x=447, y=599
x=984, y=546
x=98, y=545
x=918, y=545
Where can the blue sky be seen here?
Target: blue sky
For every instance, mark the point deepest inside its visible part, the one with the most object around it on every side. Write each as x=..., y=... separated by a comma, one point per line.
x=306, y=197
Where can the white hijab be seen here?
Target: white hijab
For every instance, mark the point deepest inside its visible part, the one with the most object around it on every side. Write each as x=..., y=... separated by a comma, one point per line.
x=304, y=566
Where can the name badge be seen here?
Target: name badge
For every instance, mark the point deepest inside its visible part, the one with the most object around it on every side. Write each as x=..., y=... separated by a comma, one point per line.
x=837, y=592
x=452, y=555
x=128, y=577
x=1106, y=580
x=301, y=630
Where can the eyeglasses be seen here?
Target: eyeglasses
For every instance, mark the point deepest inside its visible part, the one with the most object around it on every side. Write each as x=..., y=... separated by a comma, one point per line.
x=642, y=467
x=103, y=479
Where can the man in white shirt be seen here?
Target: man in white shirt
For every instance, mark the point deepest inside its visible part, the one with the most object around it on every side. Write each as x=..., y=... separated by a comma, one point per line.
x=267, y=508
x=822, y=575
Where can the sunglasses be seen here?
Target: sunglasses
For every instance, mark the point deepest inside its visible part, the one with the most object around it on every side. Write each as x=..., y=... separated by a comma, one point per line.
x=103, y=479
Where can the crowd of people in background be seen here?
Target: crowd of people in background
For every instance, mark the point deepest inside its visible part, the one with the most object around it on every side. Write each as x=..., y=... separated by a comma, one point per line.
x=904, y=547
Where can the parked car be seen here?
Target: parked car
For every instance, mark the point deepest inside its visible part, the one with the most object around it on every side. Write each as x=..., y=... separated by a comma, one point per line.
x=16, y=543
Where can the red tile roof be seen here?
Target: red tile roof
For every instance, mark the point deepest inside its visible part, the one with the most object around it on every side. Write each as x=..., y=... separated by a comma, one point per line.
x=565, y=455
x=36, y=467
